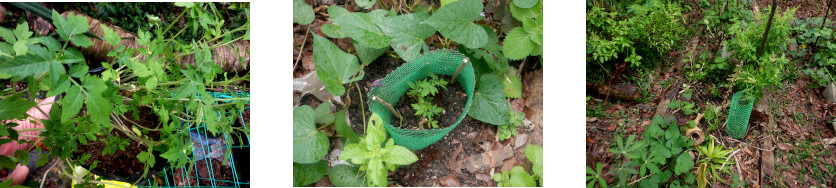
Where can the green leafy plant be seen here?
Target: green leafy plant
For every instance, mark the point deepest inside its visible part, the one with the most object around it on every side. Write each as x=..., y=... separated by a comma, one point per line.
x=518, y=177
x=423, y=91
x=527, y=40
x=375, y=158
x=510, y=129
x=595, y=176
x=713, y=161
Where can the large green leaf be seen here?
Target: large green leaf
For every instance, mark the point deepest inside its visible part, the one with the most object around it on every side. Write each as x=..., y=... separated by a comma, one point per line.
x=344, y=175
x=71, y=103
x=525, y=3
x=309, y=145
x=14, y=108
x=333, y=30
x=366, y=4
x=520, y=178
x=98, y=107
x=302, y=12
x=408, y=34
x=489, y=103
x=333, y=66
x=367, y=55
x=518, y=44
x=399, y=155
x=455, y=21
x=525, y=13
x=535, y=155
x=23, y=66
x=363, y=27
x=323, y=113
x=375, y=134
x=306, y=174
x=511, y=85
x=684, y=163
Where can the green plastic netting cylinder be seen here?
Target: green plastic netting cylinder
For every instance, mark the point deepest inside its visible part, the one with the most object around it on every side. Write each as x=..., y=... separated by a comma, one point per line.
x=392, y=87
x=739, y=113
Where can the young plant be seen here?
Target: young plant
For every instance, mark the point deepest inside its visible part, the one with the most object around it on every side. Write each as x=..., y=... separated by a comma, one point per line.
x=518, y=177
x=595, y=176
x=510, y=129
x=375, y=158
x=714, y=160
x=423, y=91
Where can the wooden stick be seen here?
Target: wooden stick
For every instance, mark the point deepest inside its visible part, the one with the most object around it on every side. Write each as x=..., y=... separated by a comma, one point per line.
x=389, y=106
x=464, y=62
x=768, y=26
x=826, y=13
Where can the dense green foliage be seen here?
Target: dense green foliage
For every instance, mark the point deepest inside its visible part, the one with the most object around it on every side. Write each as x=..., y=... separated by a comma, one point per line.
x=374, y=157
x=661, y=154
x=423, y=91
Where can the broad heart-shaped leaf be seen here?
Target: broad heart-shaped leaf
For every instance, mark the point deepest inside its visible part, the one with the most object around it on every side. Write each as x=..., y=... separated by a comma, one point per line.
x=344, y=175
x=363, y=27
x=526, y=3
x=399, y=155
x=455, y=21
x=365, y=4
x=333, y=30
x=23, y=66
x=512, y=85
x=520, y=178
x=367, y=55
x=309, y=145
x=376, y=173
x=71, y=104
x=535, y=155
x=306, y=174
x=518, y=44
x=525, y=13
x=323, y=113
x=14, y=108
x=333, y=66
x=489, y=103
x=408, y=34
x=684, y=163
x=302, y=12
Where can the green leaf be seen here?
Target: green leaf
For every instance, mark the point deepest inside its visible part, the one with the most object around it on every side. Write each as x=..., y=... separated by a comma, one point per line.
x=445, y=2
x=399, y=155
x=302, y=12
x=59, y=86
x=140, y=69
x=306, y=174
x=99, y=109
x=408, y=34
x=146, y=157
x=455, y=21
x=71, y=103
x=342, y=128
x=525, y=13
x=185, y=90
x=363, y=27
x=20, y=48
x=489, y=103
x=14, y=108
x=151, y=84
x=23, y=66
x=520, y=178
x=365, y=4
x=535, y=155
x=112, y=37
x=77, y=24
x=375, y=134
x=535, y=29
x=309, y=145
x=367, y=55
x=356, y=153
x=323, y=113
x=78, y=70
x=63, y=28
x=513, y=86
x=184, y=4
x=333, y=66
x=7, y=35
x=517, y=44
x=82, y=41
x=333, y=30
x=684, y=163
x=344, y=175
x=526, y=3
x=376, y=173
x=172, y=154
x=71, y=56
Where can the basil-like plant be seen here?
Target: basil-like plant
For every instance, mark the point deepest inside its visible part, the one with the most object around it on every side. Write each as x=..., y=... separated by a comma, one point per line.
x=375, y=159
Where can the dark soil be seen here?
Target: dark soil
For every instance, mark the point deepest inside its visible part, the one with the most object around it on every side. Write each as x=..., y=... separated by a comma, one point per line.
x=201, y=170
x=376, y=70
x=123, y=165
x=809, y=8
x=241, y=155
x=451, y=100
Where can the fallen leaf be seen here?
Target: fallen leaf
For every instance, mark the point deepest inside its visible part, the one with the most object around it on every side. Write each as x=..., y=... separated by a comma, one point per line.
x=520, y=140
x=518, y=105
x=487, y=160
x=449, y=181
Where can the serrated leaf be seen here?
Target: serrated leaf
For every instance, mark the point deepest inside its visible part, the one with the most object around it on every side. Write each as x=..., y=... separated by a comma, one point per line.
x=78, y=70
x=367, y=55
x=14, y=108
x=112, y=37
x=489, y=104
x=7, y=35
x=399, y=155
x=306, y=174
x=77, y=24
x=512, y=85
x=343, y=175
x=333, y=66
x=455, y=21
x=23, y=66
x=71, y=104
x=302, y=12
x=185, y=90
x=151, y=84
x=363, y=27
x=365, y=4
x=172, y=154
x=71, y=55
x=355, y=153
x=20, y=48
x=82, y=41
x=517, y=44
x=375, y=134
x=408, y=34
x=98, y=107
x=309, y=145
x=63, y=28
x=60, y=86
x=684, y=163
x=535, y=29
x=376, y=173
x=525, y=13
x=184, y=4
x=526, y=3
x=140, y=69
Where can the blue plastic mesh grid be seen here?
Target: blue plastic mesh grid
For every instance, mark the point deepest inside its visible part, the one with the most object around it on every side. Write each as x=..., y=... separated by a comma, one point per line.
x=187, y=180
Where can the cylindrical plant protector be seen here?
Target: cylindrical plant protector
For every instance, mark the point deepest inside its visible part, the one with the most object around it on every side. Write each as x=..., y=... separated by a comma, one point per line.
x=392, y=87
x=739, y=113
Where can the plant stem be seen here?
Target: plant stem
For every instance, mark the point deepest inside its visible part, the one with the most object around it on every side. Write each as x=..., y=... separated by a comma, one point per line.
x=302, y=47
x=389, y=106
x=175, y=21
x=362, y=109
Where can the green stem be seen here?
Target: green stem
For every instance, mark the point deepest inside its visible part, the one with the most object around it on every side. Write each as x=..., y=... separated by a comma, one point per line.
x=175, y=21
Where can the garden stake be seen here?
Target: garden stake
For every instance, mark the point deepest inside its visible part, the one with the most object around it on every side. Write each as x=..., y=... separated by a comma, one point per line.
x=464, y=62
x=768, y=25
x=389, y=106
x=826, y=13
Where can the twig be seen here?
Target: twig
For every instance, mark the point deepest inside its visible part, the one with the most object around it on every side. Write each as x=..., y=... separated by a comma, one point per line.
x=303, y=47
x=768, y=26
x=464, y=62
x=389, y=106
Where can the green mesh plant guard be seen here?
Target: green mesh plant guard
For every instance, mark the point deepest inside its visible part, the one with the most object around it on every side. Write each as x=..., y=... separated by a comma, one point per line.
x=739, y=112
x=392, y=87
